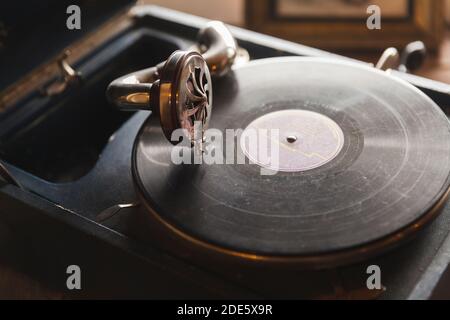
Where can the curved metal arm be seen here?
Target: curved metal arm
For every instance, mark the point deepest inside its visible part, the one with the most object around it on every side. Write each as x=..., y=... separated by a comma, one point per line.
x=218, y=47
x=133, y=91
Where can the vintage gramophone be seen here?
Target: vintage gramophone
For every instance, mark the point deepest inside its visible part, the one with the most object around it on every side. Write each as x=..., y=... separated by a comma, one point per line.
x=84, y=183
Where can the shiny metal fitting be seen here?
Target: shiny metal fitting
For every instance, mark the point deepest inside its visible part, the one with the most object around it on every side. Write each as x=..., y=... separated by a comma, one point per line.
x=179, y=90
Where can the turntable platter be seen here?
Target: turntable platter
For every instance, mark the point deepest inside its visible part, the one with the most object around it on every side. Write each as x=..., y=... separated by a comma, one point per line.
x=380, y=172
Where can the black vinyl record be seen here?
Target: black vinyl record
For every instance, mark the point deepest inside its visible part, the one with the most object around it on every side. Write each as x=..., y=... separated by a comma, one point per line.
x=381, y=180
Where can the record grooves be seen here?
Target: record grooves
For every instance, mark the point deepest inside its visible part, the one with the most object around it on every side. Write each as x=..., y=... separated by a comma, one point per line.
x=388, y=180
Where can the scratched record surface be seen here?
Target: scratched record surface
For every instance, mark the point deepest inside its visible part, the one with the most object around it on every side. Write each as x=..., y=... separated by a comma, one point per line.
x=364, y=161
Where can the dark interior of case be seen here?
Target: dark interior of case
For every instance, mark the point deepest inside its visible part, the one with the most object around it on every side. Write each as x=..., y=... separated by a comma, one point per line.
x=32, y=39
x=64, y=142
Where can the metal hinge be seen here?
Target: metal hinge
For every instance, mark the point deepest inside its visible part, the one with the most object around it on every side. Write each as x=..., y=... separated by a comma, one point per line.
x=69, y=77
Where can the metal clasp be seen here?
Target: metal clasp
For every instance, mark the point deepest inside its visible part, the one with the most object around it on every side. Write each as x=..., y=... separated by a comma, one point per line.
x=69, y=77
x=411, y=59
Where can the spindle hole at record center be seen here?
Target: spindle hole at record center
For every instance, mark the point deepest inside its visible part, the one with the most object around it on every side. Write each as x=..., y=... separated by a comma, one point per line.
x=380, y=189
x=292, y=140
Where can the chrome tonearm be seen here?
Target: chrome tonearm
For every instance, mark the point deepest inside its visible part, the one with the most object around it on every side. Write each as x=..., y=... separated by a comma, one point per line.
x=179, y=89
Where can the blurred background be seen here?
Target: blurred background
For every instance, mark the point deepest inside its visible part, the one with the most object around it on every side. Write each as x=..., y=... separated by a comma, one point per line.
x=230, y=11
x=339, y=25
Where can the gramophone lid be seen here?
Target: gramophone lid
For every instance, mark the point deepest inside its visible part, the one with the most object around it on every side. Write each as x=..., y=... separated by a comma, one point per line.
x=34, y=32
